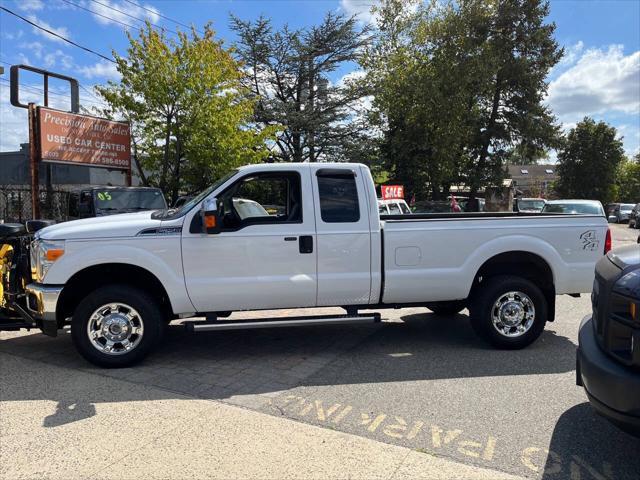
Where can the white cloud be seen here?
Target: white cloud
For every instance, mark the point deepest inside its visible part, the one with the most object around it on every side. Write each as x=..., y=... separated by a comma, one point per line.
x=101, y=69
x=60, y=31
x=24, y=60
x=571, y=55
x=33, y=47
x=30, y=5
x=359, y=8
x=13, y=127
x=12, y=36
x=110, y=9
x=600, y=81
x=51, y=60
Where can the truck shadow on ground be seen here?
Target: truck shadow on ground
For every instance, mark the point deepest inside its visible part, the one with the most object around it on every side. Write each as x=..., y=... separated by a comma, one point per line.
x=220, y=365
x=580, y=429
x=254, y=368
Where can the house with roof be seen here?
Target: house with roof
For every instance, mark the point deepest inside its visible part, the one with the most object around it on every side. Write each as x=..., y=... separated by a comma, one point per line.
x=533, y=180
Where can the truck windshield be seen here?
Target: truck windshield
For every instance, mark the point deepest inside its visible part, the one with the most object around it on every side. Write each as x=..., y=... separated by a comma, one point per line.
x=127, y=200
x=178, y=212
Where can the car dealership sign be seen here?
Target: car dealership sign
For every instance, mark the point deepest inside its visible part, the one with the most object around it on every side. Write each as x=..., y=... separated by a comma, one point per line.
x=82, y=139
x=392, y=192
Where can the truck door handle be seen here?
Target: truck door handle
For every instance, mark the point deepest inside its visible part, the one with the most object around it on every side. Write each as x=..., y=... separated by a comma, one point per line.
x=306, y=244
x=290, y=239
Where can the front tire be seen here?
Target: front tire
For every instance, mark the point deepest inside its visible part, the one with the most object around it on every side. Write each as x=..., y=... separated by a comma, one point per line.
x=508, y=311
x=116, y=326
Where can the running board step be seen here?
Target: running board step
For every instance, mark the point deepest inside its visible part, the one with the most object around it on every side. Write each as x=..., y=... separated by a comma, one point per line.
x=281, y=322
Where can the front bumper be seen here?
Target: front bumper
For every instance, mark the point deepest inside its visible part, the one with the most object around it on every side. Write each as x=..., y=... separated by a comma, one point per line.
x=613, y=389
x=42, y=302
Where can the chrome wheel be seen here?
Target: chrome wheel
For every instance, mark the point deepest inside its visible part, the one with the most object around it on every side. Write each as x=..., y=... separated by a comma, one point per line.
x=513, y=314
x=115, y=328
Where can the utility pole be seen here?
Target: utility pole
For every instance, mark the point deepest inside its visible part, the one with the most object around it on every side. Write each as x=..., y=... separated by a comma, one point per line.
x=34, y=160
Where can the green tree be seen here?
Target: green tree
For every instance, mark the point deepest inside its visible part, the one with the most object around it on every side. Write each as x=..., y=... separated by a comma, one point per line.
x=189, y=111
x=588, y=162
x=628, y=180
x=289, y=78
x=460, y=85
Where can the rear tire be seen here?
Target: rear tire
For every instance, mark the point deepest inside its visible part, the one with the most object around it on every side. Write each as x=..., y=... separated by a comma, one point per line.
x=117, y=326
x=508, y=311
x=447, y=308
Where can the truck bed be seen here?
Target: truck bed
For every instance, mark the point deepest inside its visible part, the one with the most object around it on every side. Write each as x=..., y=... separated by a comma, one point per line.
x=439, y=255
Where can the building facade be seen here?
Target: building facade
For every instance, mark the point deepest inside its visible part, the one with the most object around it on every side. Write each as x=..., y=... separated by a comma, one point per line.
x=533, y=180
x=14, y=171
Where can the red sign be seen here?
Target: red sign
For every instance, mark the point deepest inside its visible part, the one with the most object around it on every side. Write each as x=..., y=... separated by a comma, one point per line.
x=82, y=139
x=392, y=191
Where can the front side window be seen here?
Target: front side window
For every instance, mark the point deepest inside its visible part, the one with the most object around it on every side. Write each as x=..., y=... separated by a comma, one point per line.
x=338, y=199
x=262, y=198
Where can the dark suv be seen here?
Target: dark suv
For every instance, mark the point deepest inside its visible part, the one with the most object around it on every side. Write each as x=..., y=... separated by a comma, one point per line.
x=608, y=358
x=634, y=217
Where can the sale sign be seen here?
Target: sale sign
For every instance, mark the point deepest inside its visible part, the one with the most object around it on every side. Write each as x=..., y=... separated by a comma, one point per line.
x=392, y=192
x=82, y=139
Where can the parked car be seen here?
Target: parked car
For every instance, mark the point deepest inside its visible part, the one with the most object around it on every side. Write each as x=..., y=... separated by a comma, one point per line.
x=181, y=201
x=432, y=206
x=634, y=216
x=622, y=212
x=531, y=205
x=120, y=281
x=585, y=207
x=101, y=201
x=609, y=208
x=393, y=207
x=608, y=358
x=465, y=205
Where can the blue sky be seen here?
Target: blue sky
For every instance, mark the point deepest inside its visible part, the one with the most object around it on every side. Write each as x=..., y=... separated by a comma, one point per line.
x=599, y=76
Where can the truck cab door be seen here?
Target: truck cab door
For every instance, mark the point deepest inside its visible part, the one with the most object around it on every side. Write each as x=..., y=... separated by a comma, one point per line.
x=264, y=255
x=343, y=236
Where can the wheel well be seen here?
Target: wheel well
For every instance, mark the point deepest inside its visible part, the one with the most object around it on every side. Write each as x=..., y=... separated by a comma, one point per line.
x=523, y=264
x=85, y=281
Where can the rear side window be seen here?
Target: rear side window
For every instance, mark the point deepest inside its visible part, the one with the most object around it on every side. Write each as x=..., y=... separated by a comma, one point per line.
x=338, y=199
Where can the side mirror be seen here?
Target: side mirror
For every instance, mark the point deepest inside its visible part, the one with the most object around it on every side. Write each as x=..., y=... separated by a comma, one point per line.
x=612, y=218
x=210, y=220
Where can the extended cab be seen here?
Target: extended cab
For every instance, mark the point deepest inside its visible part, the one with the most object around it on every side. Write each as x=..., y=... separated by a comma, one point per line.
x=302, y=235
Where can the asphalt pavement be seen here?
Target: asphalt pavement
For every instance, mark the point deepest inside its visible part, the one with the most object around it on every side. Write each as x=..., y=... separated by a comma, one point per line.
x=416, y=380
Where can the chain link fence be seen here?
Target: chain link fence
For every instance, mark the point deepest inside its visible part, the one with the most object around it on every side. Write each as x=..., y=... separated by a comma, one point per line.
x=15, y=204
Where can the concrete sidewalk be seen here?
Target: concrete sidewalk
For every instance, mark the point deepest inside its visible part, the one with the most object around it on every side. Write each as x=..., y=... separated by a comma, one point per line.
x=65, y=424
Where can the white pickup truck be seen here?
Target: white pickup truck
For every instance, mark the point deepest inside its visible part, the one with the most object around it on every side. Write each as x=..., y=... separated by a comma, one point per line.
x=301, y=235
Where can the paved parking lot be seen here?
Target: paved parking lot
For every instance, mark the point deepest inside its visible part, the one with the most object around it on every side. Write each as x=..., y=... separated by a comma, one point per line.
x=416, y=380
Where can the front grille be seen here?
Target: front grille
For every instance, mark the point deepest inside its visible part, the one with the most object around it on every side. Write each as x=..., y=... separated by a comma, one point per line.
x=622, y=335
x=616, y=332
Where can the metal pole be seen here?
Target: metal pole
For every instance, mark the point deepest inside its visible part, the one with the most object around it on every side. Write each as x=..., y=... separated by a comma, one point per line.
x=48, y=167
x=34, y=160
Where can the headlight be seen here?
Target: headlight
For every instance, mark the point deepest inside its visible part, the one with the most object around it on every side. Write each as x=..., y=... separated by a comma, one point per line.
x=43, y=254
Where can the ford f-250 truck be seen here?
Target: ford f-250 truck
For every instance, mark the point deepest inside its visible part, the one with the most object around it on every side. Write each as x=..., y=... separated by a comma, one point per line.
x=315, y=239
